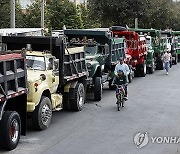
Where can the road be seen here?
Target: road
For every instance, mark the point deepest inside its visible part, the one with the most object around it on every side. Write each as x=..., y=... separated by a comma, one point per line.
x=153, y=107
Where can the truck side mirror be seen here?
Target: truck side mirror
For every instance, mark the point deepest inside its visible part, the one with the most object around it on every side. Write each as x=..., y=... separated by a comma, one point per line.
x=106, y=47
x=135, y=45
x=56, y=64
x=50, y=64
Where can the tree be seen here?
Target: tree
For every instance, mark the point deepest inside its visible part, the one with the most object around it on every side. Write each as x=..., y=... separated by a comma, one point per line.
x=63, y=12
x=159, y=14
x=32, y=16
x=87, y=21
x=4, y=13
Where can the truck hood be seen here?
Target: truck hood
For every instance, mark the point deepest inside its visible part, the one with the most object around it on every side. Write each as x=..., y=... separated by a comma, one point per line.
x=33, y=75
x=90, y=57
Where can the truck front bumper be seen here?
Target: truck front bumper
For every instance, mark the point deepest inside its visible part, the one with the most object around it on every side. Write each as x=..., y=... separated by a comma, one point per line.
x=30, y=106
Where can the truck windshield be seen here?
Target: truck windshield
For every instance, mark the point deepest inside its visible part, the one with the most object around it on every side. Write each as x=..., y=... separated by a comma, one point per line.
x=148, y=41
x=94, y=49
x=90, y=49
x=35, y=62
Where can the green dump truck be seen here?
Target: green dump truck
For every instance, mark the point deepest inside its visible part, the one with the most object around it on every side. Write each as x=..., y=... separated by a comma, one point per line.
x=102, y=54
x=157, y=44
x=176, y=35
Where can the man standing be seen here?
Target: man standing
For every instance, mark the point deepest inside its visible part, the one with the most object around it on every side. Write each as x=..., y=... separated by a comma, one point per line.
x=167, y=58
x=124, y=67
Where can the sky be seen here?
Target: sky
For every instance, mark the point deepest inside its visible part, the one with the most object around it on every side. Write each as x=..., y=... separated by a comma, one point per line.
x=24, y=3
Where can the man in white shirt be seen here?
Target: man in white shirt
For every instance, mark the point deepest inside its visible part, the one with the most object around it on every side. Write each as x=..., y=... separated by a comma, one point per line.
x=167, y=58
x=124, y=67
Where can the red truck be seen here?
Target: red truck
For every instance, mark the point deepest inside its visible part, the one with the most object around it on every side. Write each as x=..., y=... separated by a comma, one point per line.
x=136, y=51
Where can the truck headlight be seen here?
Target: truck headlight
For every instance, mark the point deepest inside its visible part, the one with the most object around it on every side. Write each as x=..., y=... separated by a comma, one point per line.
x=88, y=65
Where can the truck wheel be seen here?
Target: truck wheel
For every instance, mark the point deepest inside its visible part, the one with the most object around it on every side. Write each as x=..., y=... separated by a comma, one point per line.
x=42, y=114
x=176, y=60
x=152, y=69
x=77, y=103
x=10, y=130
x=97, y=89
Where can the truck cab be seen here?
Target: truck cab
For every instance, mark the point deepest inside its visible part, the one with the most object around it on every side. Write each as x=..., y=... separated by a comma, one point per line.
x=43, y=77
x=150, y=54
x=96, y=56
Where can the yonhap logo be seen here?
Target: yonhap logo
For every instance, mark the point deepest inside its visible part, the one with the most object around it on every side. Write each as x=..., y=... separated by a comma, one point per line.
x=141, y=139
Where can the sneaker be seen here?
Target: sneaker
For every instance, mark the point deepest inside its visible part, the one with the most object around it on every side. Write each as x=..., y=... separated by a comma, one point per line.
x=166, y=73
x=125, y=98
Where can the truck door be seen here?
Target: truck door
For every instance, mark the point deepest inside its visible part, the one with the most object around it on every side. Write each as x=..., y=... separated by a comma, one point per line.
x=52, y=66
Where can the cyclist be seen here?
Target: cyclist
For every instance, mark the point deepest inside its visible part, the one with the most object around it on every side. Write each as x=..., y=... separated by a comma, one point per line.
x=120, y=80
x=124, y=67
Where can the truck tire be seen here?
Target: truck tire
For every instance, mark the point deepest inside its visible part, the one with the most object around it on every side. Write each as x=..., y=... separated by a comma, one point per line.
x=66, y=105
x=77, y=103
x=42, y=114
x=10, y=130
x=143, y=69
x=110, y=86
x=97, y=89
x=176, y=59
x=152, y=69
x=130, y=76
x=160, y=65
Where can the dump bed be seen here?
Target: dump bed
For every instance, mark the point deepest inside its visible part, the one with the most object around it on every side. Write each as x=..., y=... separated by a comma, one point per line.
x=100, y=36
x=136, y=46
x=74, y=63
x=71, y=60
x=12, y=76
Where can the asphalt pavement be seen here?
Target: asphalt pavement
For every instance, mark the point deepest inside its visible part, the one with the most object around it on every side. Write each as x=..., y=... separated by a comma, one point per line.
x=148, y=124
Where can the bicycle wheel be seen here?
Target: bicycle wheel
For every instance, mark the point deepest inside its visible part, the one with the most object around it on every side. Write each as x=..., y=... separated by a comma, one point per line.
x=119, y=102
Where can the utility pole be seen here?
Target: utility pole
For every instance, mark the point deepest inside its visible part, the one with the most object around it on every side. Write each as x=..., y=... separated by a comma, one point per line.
x=136, y=22
x=42, y=14
x=12, y=18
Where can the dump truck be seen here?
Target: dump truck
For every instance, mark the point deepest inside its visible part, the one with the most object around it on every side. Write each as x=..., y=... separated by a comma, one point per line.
x=176, y=34
x=13, y=98
x=159, y=45
x=136, y=49
x=171, y=44
x=151, y=63
x=102, y=54
x=56, y=76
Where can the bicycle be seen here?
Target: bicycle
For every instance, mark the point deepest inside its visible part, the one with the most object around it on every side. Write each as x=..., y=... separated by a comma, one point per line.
x=120, y=97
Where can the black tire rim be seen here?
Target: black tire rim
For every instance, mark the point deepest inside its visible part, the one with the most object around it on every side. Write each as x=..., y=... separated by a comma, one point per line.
x=14, y=131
